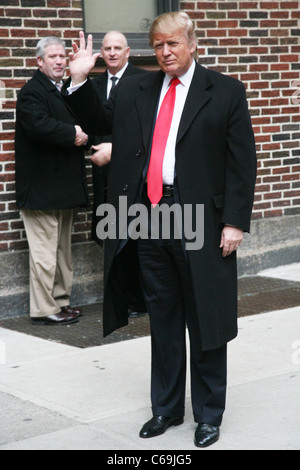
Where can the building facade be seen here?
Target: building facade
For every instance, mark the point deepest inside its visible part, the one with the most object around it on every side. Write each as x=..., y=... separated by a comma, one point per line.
x=254, y=41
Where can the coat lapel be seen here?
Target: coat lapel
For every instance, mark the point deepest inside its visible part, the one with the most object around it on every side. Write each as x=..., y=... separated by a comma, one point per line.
x=196, y=99
x=50, y=88
x=147, y=102
x=45, y=81
x=100, y=83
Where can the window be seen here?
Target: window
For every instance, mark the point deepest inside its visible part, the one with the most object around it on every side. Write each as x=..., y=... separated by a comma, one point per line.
x=131, y=17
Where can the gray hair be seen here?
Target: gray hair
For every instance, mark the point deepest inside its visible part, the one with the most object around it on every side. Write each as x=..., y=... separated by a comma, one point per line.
x=48, y=41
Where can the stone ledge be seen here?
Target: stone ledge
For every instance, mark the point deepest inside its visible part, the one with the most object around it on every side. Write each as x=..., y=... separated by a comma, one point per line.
x=273, y=242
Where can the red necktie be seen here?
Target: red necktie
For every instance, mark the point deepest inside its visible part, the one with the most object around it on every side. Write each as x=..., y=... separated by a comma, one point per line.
x=159, y=142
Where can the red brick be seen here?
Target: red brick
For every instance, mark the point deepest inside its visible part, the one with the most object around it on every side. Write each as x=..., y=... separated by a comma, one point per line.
x=262, y=138
x=280, y=187
x=237, y=14
x=269, y=5
x=206, y=5
x=238, y=32
x=7, y=136
x=271, y=129
x=280, y=171
x=227, y=24
x=249, y=5
x=188, y=5
x=291, y=177
x=59, y=3
x=289, y=58
x=21, y=33
x=274, y=213
x=18, y=12
x=4, y=227
x=217, y=33
x=289, y=5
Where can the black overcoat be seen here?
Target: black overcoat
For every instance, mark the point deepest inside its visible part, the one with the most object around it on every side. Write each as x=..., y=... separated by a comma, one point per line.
x=100, y=174
x=215, y=166
x=50, y=169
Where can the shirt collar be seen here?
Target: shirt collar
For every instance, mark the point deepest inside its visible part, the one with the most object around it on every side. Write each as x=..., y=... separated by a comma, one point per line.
x=186, y=78
x=56, y=83
x=119, y=74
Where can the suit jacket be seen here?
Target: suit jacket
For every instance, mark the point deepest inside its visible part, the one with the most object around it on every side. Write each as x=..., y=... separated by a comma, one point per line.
x=100, y=174
x=215, y=166
x=50, y=170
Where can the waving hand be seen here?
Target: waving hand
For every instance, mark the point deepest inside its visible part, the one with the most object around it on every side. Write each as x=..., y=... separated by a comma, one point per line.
x=82, y=59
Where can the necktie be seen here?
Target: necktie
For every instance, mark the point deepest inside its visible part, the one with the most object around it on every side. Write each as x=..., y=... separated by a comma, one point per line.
x=59, y=86
x=159, y=142
x=113, y=86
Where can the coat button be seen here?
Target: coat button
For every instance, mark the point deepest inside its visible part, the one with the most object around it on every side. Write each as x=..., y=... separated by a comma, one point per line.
x=138, y=154
x=125, y=188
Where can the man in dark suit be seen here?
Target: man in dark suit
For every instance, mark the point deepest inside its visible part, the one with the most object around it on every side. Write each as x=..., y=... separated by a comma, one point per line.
x=205, y=159
x=115, y=53
x=50, y=184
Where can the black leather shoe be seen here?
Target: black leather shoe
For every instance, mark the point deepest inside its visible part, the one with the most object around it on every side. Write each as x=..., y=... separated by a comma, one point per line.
x=59, y=319
x=158, y=425
x=133, y=314
x=73, y=311
x=206, y=435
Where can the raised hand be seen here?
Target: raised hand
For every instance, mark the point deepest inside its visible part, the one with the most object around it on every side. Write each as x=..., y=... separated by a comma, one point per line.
x=82, y=59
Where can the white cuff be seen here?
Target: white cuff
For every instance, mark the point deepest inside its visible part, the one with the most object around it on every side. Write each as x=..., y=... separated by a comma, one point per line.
x=71, y=89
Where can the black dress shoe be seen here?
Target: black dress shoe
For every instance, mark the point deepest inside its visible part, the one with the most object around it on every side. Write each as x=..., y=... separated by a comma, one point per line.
x=73, y=311
x=133, y=314
x=206, y=435
x=158, y=425
x=59, y=319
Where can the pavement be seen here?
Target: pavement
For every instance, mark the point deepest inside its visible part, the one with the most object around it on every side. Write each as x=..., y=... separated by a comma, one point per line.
x=56, y=396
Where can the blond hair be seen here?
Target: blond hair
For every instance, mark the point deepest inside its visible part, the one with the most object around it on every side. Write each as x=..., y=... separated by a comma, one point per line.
x=168, y=23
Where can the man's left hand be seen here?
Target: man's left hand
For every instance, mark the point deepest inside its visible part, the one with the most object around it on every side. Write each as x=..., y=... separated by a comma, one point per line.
x=102, y=156
x=231, y=239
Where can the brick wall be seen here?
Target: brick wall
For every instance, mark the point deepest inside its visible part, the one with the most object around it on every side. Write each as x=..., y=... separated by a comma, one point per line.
x=255, y=41
x=258, y=43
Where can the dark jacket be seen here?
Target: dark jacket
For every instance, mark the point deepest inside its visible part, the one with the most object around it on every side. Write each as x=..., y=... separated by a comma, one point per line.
x=100, y=174
x=215, y=166
x=50, y=169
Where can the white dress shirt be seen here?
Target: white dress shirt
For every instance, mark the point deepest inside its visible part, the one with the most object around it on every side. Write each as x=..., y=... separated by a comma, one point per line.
x=118, y=76
x=181, y=94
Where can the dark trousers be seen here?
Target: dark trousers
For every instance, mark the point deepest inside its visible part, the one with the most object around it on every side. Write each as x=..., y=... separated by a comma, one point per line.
x=169, y=297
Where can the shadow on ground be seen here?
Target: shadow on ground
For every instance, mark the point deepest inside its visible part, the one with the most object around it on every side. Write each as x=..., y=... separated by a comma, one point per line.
x=256, y=295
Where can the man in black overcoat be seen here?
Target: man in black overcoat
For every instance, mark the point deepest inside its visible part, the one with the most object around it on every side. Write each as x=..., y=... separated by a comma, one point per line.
x=115, y=53
x=209, y=166
x=50, y=183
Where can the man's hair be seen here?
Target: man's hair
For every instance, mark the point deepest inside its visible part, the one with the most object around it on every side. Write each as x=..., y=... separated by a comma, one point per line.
x=119, y=33
x=170, y=22
x=48, y=41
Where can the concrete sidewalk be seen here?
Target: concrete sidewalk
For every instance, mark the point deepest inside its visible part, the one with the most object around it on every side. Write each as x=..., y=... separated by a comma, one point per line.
x=58, y=397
